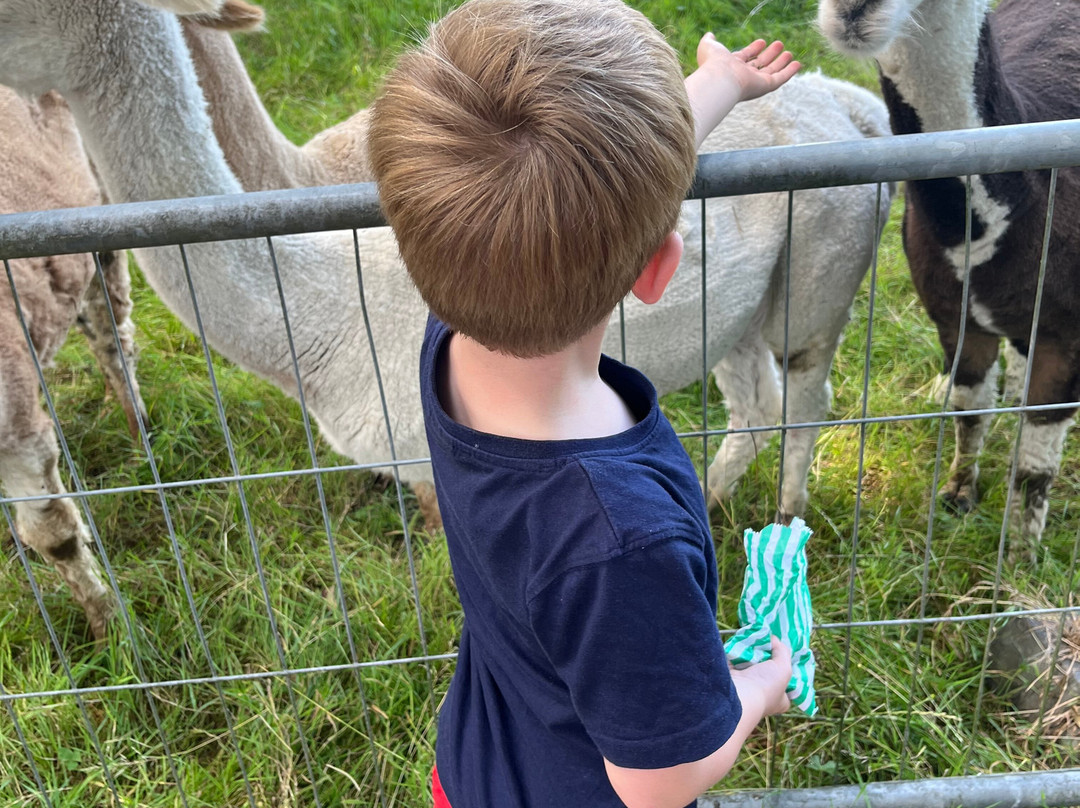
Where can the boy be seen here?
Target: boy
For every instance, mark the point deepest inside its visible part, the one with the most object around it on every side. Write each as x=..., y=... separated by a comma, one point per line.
x=532, y=156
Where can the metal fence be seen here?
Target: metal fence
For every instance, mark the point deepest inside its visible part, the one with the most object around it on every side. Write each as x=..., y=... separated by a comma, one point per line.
x=351, y=618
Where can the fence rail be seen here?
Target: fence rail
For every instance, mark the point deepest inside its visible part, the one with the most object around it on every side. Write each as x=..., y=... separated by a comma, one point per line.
x=779, y=168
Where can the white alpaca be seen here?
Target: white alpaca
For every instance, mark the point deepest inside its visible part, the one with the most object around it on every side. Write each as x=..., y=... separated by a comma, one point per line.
x=128, y=77
x=954, y=64
x=832, y=243
x=42, y=165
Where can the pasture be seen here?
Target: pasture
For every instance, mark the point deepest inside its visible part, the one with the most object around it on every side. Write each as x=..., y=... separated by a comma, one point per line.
x=897, y=699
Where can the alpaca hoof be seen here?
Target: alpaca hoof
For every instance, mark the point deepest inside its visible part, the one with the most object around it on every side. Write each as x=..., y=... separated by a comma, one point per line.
x=1022, y=553
x=961, y=500
x=99, y=613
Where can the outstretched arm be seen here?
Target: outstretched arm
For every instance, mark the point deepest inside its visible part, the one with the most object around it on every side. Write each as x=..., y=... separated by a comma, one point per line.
x=724, y=78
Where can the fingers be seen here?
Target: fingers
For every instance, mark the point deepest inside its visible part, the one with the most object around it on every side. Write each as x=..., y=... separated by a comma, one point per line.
x=753, y=50
x=780, y=650
x=771, y=58
x=790, y=71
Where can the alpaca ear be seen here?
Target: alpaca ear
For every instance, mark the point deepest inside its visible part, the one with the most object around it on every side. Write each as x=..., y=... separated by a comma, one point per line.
x=653, y=280
x=231, y=15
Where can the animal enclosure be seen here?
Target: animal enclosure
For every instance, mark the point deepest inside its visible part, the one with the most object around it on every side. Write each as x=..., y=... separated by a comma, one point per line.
x=287, y=620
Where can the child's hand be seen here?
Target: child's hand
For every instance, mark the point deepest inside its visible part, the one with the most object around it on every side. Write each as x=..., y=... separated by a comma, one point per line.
x=723, y=79
x=768, y=679
x=758, y=68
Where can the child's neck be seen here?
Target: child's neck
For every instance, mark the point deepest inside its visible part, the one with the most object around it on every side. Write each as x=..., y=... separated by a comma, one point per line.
x=556, y=397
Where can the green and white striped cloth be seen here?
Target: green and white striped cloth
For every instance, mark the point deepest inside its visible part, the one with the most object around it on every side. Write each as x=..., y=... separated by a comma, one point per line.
x=776, y=600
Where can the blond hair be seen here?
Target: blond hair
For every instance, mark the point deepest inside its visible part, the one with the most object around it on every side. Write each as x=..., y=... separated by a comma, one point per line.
x=531, y=156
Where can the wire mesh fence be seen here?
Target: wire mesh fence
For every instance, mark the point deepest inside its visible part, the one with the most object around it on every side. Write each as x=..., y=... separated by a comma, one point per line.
x=285, y=618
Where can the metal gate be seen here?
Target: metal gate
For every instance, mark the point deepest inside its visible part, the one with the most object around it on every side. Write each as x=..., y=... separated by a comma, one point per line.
x=302, y=661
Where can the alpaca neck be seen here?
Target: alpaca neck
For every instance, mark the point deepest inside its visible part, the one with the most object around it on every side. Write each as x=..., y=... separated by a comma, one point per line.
x=342, y=150
x=261, y=157
x=932, y=69
x=945, y=74
x=144, y=121
x=147, y=131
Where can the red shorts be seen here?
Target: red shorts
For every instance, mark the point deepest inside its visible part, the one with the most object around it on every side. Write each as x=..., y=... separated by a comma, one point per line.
x=437, y=794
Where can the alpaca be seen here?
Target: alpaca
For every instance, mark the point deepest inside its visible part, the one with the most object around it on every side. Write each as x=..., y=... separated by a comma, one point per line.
x=952, y=64
x=126, y=74
x=128, y=77
x=833, y=238
x=261, y=157
x=42, y=165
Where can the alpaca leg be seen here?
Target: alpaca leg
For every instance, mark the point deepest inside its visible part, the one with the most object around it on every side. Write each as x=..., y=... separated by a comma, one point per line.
x=1054, y=379
x=96, y=324
x=1012, y=391
x=1037, y=465
x=975, y=389
x=750, y=383
x=809, y=397
x=1015, y=371
x=53, y=527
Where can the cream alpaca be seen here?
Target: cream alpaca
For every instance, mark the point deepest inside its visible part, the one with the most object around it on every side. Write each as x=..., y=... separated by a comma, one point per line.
x=832, y=244
x=144, y=123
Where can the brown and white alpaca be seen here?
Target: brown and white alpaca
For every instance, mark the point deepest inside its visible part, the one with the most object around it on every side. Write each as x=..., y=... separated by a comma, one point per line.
x=954, y=64
x=42, y=165
x=832, y=244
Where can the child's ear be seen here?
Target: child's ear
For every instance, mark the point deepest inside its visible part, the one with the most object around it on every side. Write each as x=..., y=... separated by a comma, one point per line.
x=654, y=279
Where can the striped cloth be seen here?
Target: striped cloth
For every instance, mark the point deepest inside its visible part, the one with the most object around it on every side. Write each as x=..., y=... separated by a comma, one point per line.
x=776, y=600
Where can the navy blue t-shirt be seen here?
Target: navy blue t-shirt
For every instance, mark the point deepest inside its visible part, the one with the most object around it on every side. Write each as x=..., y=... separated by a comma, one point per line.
x=588, y=580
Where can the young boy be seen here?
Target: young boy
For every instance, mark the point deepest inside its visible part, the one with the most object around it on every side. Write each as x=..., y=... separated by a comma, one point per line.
x=532, y=156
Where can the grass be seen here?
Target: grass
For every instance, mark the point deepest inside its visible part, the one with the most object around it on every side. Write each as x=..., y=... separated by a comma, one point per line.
x=896, y=702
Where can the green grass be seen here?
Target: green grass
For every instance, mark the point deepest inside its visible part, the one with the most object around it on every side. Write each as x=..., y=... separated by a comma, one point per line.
x=886, y=714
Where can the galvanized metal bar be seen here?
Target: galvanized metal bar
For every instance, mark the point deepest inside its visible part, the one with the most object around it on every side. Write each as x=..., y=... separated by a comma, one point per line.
x=406, y=533
x=343, y=207
x=924, y=594
x=204, y=644
x=704, y=355
x=775, y=723
x=166, y=222
x=853, y=567
x=1044, y=789
x=335, y=564
x=785, y=374
x=929, y=155
x=253, y=540
x=1014, y=469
